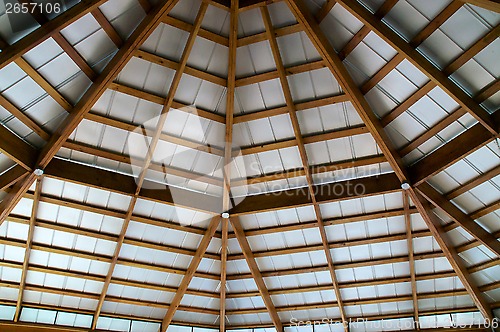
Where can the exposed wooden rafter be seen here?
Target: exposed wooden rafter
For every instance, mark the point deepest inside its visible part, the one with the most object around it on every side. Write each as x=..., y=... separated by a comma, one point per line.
x=256, y=274
x=466, y=222
x=292, y=112
x=190, y=272
x=29, y=245
x=437, y=231
x=411, y=261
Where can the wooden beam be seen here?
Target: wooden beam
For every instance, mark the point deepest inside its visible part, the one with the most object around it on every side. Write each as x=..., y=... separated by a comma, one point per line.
x=203, y=33
x=453, y=212
x=436, y=22
x=188, y=70
x=364, y=31
x=421, y=63
x=16, y=149
x=292, y=112
x=68, y=125
x=284, y=110
x=493, y=5
x=114, y=261
x=258, y=37
x=193, y=265
x=160, y=100
x=228, y=155
x=29, y=245
x=153, y=166
x=256, y=274
x=334, y=63
x=450, y=253
x=43, y=83
x=374, y=185
x=107, y=27
x=424, y=137
x=47, y=30
x=411, y=260
x=24, y=118
x=273, y=74
x=464, y=144
x=472, y=51
x=316, y=169
x=488, y=91
x=403, y=107
x=74, y=55
x=11, y=176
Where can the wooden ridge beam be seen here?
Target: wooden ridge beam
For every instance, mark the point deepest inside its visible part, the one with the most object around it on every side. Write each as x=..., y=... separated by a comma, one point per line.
x=256, y=274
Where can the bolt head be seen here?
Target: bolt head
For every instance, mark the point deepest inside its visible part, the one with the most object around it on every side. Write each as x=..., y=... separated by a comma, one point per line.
x=38, y=172
x=405, y=186
x=225, y=215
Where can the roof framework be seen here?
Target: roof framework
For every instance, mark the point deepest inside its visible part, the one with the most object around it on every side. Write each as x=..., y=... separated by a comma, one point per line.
x=300, y=118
